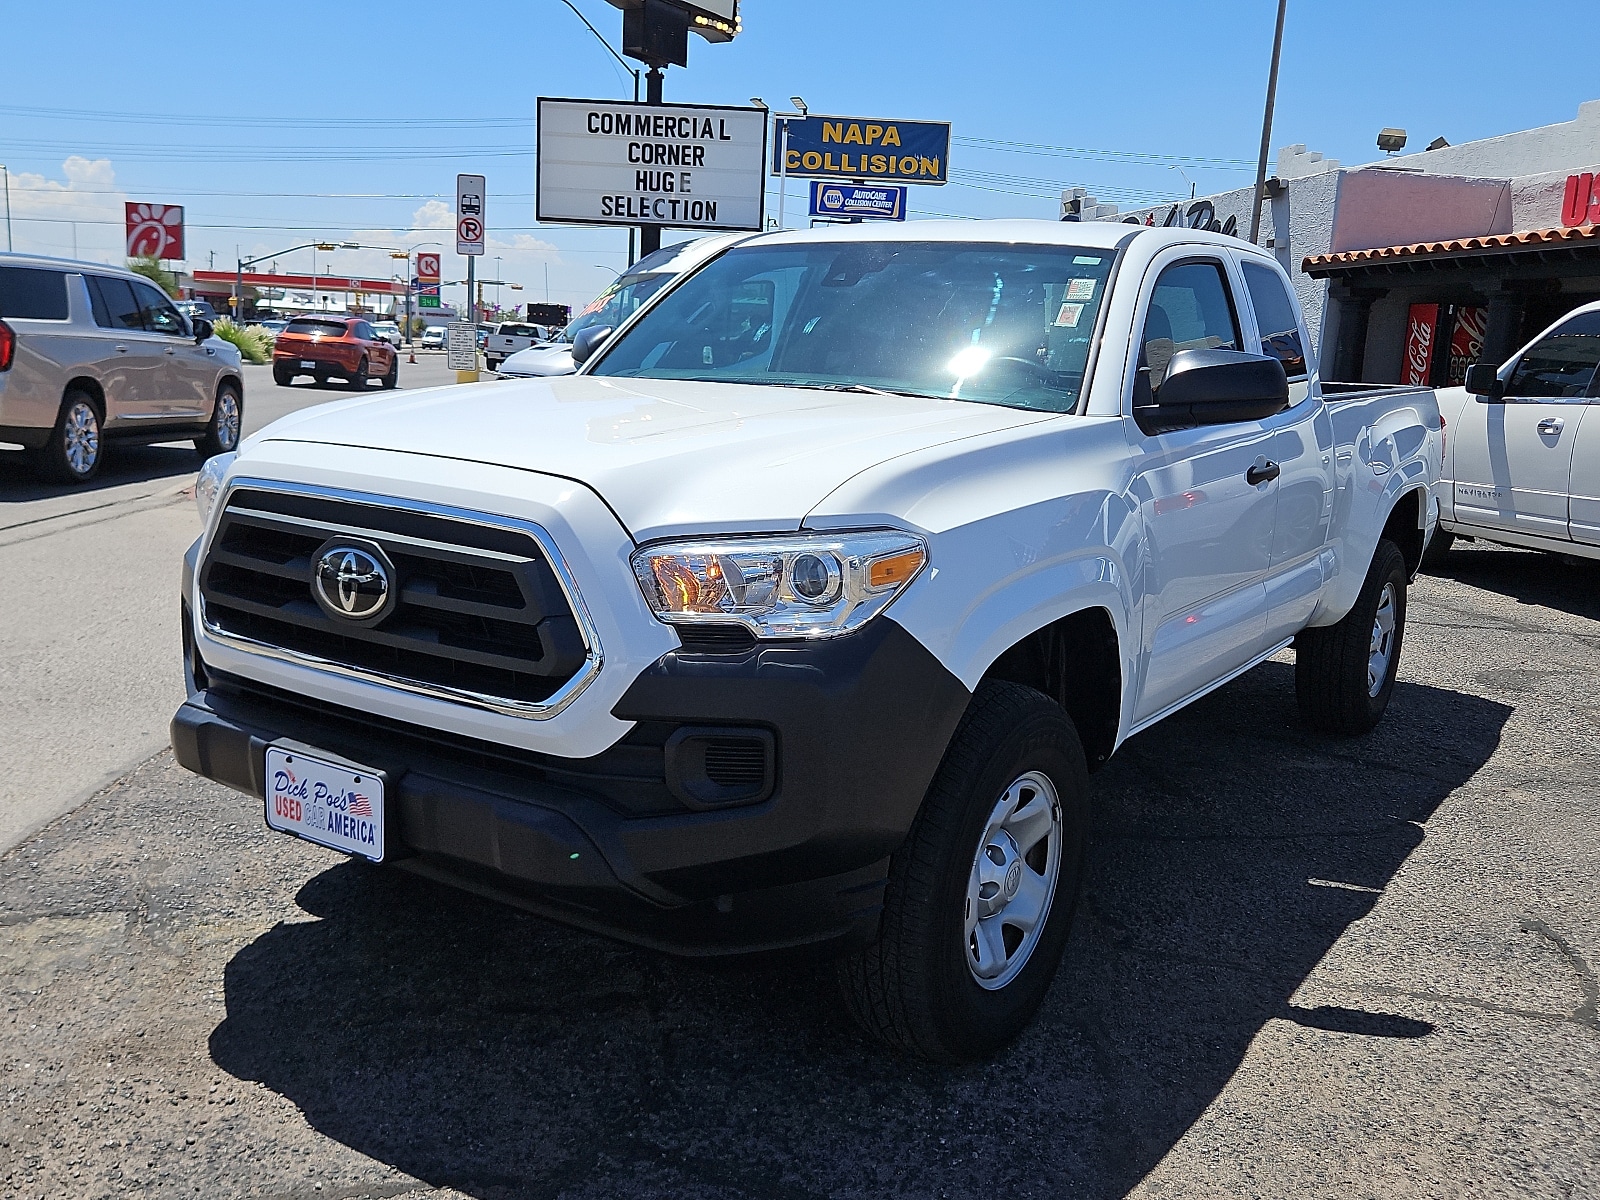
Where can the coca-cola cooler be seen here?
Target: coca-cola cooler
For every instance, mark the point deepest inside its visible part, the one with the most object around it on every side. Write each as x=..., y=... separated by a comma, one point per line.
x=1456, y=328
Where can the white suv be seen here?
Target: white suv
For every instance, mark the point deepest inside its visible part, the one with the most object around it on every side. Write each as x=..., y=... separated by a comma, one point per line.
x=90, y=353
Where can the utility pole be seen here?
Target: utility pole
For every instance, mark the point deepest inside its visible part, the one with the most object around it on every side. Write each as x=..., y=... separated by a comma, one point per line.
x=6, y=171
x=1266, y=128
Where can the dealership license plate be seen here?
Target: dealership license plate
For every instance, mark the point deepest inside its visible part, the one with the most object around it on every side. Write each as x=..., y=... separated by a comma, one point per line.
x=308, y=364
x=332, y=804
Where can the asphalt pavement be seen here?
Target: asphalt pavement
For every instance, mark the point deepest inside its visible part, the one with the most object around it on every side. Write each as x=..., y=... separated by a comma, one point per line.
x=1303, y=967
x=89, y=668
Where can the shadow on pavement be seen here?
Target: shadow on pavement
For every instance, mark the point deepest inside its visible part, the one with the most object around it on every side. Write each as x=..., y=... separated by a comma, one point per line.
x=1567, y=585
x=123, y=464
x=483, y=1049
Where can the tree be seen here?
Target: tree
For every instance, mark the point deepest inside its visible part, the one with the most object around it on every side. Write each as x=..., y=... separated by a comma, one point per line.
x=152, y=269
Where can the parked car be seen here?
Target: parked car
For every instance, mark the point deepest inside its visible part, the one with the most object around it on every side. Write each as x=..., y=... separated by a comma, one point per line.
x=509, y=337
x=433, y=337
x=91, y=354
x=614, y=305
x=387, y=331
x=196, y=310
x=325, y=346
x=801, y=614
x=274, y=326
x=1522, y=465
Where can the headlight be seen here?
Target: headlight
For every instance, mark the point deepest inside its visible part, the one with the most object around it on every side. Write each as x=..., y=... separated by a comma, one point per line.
x=209, y=485
x=791, y=585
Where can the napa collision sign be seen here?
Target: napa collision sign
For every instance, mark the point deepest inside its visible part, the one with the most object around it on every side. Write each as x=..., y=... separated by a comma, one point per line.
x=690, y=166
x=863, y=148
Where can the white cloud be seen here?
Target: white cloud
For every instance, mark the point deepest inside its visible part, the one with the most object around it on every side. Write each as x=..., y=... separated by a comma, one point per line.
x=78, y=215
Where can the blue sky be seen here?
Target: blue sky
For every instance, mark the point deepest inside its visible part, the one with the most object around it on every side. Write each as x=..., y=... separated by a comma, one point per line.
x=348, y=121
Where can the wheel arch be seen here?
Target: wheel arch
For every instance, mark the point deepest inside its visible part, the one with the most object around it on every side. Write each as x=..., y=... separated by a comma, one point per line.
x=91, y=386
x=1077, y=661
x=1407, y=526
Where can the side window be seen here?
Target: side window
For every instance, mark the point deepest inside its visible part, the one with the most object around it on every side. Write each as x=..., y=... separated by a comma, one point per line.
x=1190, y=309
x=1562, y=363
x=1275, y=313
x=158, y=312
x=31, y=293
x=363, y=330
x=114, y=304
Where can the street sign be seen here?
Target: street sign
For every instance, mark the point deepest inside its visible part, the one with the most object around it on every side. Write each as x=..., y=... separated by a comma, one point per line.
x=877, y=202
x=690, y=166
x=154, y=230
x=865, y=148
x=469, y=214
x=428, y=268
x=461, y=347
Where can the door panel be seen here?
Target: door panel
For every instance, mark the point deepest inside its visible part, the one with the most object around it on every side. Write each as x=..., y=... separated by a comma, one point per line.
x=1586, y=476
x=182, y=392
x=132, y=361
x=1513, y=462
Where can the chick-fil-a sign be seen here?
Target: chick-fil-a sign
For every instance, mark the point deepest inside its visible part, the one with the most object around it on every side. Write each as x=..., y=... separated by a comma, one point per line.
x=1581, y=203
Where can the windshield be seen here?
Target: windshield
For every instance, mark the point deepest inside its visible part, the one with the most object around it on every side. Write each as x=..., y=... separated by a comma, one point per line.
x=616, y=304
x=993, y=323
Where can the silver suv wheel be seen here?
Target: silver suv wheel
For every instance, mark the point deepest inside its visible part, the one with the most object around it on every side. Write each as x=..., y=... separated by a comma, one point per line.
x=80, y=438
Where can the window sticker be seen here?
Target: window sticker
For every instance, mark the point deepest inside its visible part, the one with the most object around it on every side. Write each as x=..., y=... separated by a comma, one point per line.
x=1068, y=316
x=1085, y=260
x=1080, y=289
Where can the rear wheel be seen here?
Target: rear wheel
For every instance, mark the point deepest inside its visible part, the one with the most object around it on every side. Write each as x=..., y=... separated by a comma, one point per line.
x=1344, y=674
x=282, y=376
x=320, y=378
x=358, y=378
x=492, y=363
x=72, y=455
x=227, y=416
x=981, y=896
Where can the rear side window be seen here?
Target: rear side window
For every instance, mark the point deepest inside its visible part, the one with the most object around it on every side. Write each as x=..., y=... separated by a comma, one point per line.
x=115, y=306
x=364, y=331
x=1189, y=310
x=33, y=294
x=325, y=328
x=1562, y=363
x=1275, y=313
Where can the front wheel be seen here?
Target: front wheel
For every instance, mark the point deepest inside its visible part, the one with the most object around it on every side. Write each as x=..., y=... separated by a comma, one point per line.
x=227, y=416
x=1433, y=558
x=981, y=895
x=391, y=378
x=1344, y=674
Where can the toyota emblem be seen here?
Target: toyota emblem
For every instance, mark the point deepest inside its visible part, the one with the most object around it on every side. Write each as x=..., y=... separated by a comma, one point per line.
x=352, y=583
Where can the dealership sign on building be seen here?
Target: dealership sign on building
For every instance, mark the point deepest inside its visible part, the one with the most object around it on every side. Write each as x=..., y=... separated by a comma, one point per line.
x=690, y=166
x=864, y=148
x=154, y=230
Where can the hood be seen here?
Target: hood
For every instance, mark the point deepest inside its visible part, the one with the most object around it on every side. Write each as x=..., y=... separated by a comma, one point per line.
x=551, y=358
x=668, y=456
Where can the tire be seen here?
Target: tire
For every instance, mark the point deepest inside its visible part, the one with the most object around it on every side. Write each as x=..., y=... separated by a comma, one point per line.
x=282, y=376
x=227, y=419
x=917, y=989
x=391, y=380
x=77, y=443
x=1344, y=674
x=358, y=380
x=492, y=363
x=320, y=378
x=1433, y=558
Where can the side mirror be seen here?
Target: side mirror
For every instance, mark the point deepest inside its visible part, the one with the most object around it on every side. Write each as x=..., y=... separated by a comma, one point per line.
x=202, y=330
x=587, y=342
x=1215, y=387
x=1483, y=381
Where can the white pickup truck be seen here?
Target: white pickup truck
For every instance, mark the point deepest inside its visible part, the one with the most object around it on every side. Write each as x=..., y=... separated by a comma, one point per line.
x=1523, y=453
x=803, y=612
x=508, y=338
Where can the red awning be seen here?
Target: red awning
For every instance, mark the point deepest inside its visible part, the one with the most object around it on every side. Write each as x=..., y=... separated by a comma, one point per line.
x=1494, y=243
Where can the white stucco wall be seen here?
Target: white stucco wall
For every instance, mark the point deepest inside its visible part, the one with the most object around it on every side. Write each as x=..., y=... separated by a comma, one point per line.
x=1549, y=148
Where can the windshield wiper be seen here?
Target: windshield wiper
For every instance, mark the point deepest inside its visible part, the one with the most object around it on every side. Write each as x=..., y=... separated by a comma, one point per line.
x=864, y=389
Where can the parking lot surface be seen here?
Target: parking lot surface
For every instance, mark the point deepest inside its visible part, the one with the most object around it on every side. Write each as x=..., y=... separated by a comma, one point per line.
x=1303, y=967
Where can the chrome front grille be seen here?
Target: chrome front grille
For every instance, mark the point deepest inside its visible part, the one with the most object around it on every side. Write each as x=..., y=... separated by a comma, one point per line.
x=482, y=612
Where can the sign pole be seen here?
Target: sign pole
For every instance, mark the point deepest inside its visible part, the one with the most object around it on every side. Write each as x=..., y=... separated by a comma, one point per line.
x=783, y=171
x=650, y=235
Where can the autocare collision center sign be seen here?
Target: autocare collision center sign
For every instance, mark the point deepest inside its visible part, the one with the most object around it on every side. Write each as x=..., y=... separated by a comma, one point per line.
x=691, y=166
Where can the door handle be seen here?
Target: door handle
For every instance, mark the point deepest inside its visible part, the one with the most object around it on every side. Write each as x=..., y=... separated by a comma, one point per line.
x=1262, y=472
x=1551, y=425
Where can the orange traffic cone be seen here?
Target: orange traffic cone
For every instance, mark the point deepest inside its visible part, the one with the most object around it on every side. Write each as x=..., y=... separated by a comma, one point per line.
x=413, y=357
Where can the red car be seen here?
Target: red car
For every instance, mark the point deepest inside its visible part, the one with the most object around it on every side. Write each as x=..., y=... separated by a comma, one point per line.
x=325, y=346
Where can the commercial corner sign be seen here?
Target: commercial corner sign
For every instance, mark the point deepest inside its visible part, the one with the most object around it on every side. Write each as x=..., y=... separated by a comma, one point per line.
x=878, y=202
x=690, y=166
x=864, y=148
x=470, y=231
x=154, y=230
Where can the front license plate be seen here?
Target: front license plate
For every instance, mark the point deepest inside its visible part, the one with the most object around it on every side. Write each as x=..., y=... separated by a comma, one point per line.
x=329, y=803
x=308, y=364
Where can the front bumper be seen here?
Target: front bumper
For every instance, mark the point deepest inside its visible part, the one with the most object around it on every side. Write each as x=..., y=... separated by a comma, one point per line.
x=610, y=843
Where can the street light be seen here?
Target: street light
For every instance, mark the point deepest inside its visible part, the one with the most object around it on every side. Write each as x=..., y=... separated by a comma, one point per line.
x=241, y=264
